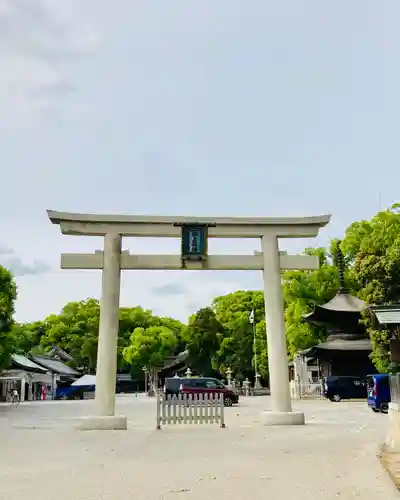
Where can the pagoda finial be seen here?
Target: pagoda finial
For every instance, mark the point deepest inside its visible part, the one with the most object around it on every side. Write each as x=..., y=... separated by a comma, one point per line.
x=341, y=266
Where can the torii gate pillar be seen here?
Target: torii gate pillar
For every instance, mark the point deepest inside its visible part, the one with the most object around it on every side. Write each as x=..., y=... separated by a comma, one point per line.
x=276, y=339
x=108, y=332
x=194, y=232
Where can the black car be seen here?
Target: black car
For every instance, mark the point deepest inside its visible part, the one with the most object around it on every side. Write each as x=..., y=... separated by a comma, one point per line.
x=200, y=385
x=338, y=388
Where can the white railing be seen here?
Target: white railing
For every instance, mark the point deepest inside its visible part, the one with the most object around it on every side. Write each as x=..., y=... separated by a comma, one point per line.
x=190, y=409
x=310, y=390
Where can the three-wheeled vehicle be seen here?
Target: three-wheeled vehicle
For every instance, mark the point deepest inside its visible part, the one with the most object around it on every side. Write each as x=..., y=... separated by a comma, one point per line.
x=378, y=392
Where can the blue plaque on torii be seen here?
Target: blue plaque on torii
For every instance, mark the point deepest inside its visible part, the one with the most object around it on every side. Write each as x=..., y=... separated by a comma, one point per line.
x=194, y=242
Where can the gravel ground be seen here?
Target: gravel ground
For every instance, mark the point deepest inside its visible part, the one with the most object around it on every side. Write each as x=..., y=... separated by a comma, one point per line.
x=333, y=456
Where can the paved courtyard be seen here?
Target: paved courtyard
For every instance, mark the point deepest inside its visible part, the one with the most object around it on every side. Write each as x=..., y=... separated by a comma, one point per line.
x=333, y=456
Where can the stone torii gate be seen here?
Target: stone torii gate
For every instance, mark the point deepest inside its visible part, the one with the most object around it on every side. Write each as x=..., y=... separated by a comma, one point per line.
x=194, y=233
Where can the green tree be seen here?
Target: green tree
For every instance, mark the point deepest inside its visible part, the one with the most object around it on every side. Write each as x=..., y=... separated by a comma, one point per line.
x=129, y=319
x=76, y=331
x=236, y=348
x=8, y=295
x=177, y=327
x=303, y=290
x=203, y=336
x=27, y=336
x=372, y=249
x=149, y=348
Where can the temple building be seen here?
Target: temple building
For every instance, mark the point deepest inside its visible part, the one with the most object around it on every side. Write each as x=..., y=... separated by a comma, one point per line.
x=347, y=347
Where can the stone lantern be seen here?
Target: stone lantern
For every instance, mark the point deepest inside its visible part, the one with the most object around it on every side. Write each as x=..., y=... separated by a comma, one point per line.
x=246, y=387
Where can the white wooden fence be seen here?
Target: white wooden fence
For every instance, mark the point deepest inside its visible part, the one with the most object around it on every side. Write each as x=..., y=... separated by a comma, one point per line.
x=304, y=391
x=190, y=409
x=311, y=390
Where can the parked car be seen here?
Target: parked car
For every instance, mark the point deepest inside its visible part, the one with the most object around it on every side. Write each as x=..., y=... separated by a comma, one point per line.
x=200, y=385
x=338, y=388
x=379, y=392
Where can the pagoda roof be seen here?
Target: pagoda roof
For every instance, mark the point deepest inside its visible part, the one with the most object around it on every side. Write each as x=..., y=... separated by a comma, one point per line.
x=345, y=302
x=342, y=302
x=357, y=345
x=342, y=305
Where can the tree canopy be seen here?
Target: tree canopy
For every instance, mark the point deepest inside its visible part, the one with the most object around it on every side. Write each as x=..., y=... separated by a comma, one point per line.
x=76, y=328
x=236, y=349
x=150, y=347
x=203, y=340
x=372, y=250
x=302, y=291
x=8, y=295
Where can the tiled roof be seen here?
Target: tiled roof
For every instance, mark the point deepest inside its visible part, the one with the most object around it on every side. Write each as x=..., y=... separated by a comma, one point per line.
x=387, y=315
x=345, y=302
x=26, y=364
x=55, y=366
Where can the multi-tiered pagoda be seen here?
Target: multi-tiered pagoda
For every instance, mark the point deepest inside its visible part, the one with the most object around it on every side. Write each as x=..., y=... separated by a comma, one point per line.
x=347, y=348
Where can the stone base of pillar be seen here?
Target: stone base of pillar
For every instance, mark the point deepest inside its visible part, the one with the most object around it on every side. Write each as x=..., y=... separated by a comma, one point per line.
x=112, y=423
x=283, y=418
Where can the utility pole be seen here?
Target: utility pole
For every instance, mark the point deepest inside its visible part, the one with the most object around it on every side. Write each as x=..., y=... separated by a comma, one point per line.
x=257, y=384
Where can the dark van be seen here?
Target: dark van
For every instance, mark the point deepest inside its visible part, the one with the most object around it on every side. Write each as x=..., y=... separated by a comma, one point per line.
x=338, y=388
x=379, y=392
x=200, y=385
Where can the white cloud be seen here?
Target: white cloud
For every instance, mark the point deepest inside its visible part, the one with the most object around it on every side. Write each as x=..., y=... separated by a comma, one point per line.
x=18, y=266
x=37, y=52
x=169, y=289
x=4, y=250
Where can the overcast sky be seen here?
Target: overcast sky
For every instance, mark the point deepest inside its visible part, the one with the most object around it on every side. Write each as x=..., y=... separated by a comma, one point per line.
x=211, y=107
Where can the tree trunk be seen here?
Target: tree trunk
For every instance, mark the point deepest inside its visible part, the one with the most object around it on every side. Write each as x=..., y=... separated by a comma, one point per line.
x=153, y=388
